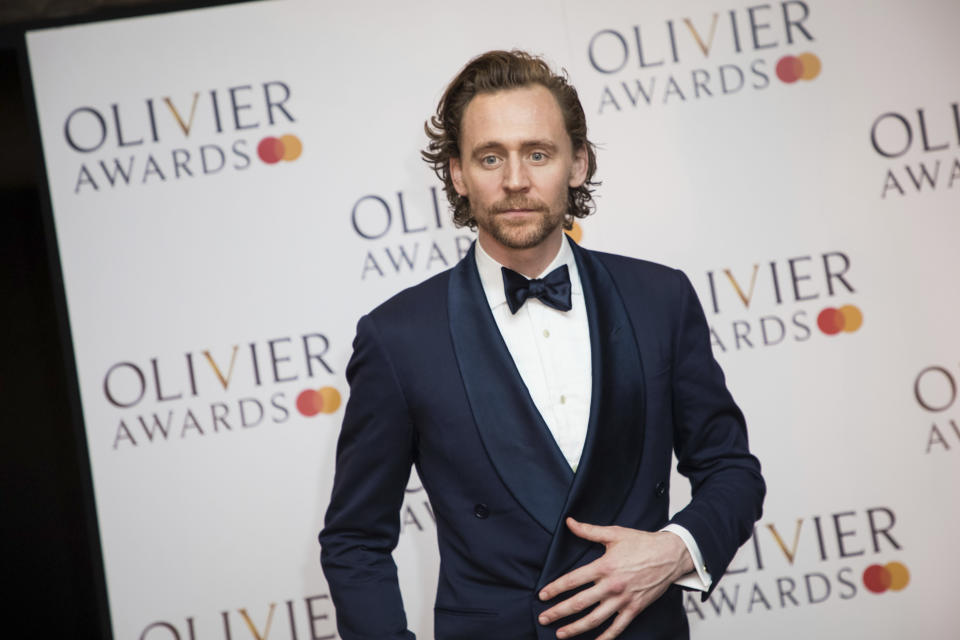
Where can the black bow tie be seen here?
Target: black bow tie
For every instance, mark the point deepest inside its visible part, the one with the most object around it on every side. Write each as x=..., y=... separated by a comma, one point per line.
x=553, y=289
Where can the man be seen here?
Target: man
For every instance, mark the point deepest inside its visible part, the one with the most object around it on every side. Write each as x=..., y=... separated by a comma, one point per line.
x=539, y=388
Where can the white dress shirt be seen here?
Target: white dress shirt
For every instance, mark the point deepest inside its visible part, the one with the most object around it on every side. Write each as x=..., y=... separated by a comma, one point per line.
x=551, y=349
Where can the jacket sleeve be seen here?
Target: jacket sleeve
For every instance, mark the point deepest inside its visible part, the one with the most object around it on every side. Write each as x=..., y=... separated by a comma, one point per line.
x=710, y=440
x=362, y=525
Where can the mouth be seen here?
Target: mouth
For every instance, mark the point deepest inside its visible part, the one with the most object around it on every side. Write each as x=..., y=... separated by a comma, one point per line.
x=519, y=208
x=518, y=216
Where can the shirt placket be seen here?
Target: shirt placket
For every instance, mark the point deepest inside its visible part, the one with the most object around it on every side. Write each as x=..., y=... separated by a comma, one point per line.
x=545, y=336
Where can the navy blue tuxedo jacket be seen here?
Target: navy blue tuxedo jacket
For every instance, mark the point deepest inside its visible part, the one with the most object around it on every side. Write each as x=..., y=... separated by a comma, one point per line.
x=433, y=384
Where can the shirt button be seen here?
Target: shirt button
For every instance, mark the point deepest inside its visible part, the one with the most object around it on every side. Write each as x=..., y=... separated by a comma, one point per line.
x=546, y=334
x=563, y=399
x=481, y=511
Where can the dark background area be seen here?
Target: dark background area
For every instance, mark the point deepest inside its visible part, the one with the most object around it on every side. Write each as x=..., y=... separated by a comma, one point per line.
x=52, y=570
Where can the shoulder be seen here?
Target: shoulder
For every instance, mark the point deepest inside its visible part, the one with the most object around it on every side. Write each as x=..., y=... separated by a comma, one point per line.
x=626, y=263
x=414, y=308
x=637, y=275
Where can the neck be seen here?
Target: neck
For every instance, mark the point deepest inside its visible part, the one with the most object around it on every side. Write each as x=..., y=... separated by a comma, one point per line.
x=530, y=261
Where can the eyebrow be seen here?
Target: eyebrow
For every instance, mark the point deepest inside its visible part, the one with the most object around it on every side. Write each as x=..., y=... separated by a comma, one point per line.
x=492, y=145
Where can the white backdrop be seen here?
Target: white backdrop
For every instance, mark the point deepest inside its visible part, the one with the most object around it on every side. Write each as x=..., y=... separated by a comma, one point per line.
x=233, y=187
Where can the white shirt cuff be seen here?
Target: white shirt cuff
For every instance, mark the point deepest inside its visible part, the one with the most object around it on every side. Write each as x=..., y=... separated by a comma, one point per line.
x=697, y=579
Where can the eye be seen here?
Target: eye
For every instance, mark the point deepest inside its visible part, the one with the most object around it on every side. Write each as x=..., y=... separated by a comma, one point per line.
x=489, y=161
x=538, y=156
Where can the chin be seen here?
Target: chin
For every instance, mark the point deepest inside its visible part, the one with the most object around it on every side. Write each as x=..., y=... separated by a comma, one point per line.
x=521, y=234
x=522, y=238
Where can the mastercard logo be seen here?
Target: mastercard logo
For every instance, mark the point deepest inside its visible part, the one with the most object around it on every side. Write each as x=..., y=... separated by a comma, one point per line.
x=310, y=402
x=847, y=318
x=805, y=66
x=272, y=150
x=576, y=233
x=893, y=575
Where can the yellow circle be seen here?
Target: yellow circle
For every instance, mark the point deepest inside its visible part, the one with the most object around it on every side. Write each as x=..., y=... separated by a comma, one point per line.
x=811, y=66
x=292, y=147
x=852, y=318
x=331, y=399
x=576, y=233
x=899, y=575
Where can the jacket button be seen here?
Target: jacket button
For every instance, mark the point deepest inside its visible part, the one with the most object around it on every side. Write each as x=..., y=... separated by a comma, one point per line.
x=661, y=488
x=481, y=511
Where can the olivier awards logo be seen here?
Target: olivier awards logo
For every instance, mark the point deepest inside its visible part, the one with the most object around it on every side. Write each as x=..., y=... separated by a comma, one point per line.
x=159, y=140
x=406, y=233
x=780, y=301
x=920, y=149
x=208, y=392
x=411, y=243
x=829, y=557
x=311, y=617
x=701, y=57
x=935, y=390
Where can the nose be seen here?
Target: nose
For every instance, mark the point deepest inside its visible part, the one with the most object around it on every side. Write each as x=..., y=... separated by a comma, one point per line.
x=515, y=176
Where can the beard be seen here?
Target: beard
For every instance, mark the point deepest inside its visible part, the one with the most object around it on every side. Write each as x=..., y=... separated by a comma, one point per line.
x=521, y=234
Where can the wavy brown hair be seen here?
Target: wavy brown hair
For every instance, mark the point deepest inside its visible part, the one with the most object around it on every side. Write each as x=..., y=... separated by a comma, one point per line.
x=498, y=71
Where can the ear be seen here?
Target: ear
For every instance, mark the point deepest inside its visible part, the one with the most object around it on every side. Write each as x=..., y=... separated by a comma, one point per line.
x=578, y=170
x=456, y=175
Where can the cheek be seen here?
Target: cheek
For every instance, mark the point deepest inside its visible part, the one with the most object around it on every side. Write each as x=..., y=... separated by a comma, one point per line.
x=483, y=186
x=559, y=186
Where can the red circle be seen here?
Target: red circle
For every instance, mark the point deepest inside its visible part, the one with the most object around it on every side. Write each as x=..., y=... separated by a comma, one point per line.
x=309, y=402
x=876, y=578
x=789, y=69
x=830, y=321
x=270, y=150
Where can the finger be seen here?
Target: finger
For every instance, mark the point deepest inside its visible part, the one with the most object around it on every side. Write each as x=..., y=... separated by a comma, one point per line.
x=576, y=578
x=620, y=623
x=592, y=620
x=593, y=532
x=572, y=605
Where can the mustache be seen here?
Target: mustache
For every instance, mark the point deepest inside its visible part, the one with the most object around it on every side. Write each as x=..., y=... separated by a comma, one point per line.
x=512, y=204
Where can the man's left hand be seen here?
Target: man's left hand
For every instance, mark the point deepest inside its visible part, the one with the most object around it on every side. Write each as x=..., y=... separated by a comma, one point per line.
x=635, y=570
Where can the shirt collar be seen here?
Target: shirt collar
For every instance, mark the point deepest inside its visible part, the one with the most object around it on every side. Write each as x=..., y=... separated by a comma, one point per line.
x=492, y=278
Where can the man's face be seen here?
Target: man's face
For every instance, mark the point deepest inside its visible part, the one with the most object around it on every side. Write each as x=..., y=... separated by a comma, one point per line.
x=515, y=166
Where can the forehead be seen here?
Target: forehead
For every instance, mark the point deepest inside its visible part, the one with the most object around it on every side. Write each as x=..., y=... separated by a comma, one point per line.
x=511, y=117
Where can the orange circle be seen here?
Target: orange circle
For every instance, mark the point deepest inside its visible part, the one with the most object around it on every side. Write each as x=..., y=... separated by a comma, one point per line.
x=810, y=64
x=292, y=147
x=330, y=399
x=899, y=575
x=852, y=318
x=576, y=233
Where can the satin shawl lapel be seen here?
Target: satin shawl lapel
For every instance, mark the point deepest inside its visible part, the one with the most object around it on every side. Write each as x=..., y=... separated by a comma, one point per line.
x=516, y=439
x=611, y=453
